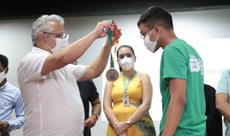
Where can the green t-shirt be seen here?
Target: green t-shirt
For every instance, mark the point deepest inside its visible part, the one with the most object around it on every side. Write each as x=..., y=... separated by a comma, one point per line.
x=180, y=60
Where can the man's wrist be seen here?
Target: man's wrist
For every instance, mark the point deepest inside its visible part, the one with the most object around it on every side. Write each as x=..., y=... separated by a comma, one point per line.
x=96, y=115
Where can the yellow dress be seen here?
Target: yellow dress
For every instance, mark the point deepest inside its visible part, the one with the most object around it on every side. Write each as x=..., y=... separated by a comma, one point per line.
x=145, y=126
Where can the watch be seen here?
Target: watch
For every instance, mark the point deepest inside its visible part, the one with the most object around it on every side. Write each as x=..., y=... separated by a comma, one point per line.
x=128, y=122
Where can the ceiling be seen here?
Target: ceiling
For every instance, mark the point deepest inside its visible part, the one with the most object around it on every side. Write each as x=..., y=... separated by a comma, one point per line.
x=99, y=7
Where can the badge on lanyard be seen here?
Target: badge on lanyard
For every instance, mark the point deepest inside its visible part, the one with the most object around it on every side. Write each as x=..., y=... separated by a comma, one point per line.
x=126, y=101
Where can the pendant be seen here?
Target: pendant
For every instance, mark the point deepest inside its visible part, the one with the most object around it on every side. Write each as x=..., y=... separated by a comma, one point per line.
x=112, y=74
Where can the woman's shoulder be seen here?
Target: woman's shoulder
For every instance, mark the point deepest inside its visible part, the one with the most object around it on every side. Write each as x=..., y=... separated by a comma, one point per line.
x=143, y=75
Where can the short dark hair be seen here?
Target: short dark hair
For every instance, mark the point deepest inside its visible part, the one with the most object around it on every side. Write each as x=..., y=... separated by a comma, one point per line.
x=156, y=16
x=4, y=61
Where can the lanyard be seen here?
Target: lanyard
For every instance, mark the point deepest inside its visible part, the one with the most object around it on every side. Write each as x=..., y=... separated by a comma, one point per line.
x=110, y=37
x=126, y=83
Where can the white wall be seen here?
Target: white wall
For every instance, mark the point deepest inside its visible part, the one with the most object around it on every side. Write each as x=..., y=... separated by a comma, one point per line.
x=208, y=31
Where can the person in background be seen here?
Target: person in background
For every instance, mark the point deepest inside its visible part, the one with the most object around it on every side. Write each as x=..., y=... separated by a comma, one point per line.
x=10, y=100
x=89, y=94
x=127, y=100
x=223, y=99
x=48, y=79
x=214, y=118
x=181, y=75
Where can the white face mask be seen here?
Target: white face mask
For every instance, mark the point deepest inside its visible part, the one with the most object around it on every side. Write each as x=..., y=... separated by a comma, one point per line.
x=126, y=63
x=150, y=45
x=2, y=76
x=60, y=44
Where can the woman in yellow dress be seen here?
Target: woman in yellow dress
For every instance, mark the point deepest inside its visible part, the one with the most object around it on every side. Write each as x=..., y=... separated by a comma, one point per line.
x=127, y=100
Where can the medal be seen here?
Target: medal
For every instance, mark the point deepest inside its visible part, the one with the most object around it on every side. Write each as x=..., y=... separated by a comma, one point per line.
x=112, y=74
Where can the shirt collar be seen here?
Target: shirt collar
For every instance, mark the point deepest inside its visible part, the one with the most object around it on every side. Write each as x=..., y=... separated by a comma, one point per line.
x=2, y=87
x=36, y=49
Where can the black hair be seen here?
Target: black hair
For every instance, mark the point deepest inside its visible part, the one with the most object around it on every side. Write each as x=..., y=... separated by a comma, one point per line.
x=4, y=61
x=156, y=16
x=125, y=46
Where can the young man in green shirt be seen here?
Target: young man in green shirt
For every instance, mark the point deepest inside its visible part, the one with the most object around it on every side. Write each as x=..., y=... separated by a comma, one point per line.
x=181, y=76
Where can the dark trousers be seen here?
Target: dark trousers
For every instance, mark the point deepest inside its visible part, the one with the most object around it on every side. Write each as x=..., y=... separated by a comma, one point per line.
x=4, y=133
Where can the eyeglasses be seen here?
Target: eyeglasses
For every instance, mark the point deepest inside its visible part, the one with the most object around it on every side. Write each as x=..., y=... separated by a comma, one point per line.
x=144, y=34
x=61, y=36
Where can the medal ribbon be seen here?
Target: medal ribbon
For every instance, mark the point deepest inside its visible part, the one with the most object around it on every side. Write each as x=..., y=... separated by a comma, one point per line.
x=127, y=84
x=110, y=36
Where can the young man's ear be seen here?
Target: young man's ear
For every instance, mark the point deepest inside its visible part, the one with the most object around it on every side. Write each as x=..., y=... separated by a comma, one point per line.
x=6, y=71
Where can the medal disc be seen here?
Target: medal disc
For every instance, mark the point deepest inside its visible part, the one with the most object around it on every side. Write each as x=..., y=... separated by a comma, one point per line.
x=112, y=75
